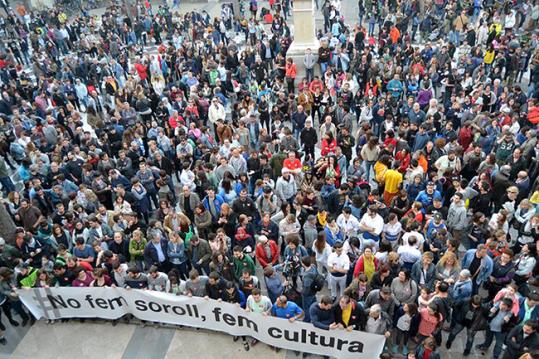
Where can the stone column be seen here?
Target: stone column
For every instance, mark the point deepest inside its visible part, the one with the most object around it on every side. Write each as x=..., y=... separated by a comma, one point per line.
x=304, y=27
x=304, y=34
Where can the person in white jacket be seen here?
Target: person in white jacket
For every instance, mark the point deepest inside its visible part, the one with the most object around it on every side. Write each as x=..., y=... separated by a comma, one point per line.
x=216, y=112
x=82, y=92
x=286, y=188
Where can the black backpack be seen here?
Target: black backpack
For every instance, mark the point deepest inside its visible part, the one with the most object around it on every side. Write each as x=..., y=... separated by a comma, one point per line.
x=318, y=282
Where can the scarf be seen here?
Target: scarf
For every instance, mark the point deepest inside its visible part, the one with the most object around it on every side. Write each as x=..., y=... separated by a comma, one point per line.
x=368, y=267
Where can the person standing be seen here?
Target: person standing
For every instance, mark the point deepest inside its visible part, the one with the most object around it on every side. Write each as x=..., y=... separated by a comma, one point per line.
x=479, y=264
x=308, y=292
x=338, y=266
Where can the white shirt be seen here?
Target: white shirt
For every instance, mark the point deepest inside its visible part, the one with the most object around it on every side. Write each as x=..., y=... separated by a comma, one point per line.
x=377, y=222
x=187, y=178
x=408, y=254
x=419, y=236
x=348, y=226
x=322, y=258
x=340, y=262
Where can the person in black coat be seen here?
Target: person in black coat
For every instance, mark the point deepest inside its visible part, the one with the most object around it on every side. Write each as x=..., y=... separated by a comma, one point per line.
x=470, y=315
x=521, y=339
x=308, y=138
x=358, y=318
x=337, y=199
x=120, y=246
x=162, y=162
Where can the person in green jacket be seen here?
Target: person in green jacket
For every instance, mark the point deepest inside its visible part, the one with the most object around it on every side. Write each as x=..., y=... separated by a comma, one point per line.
x=242, y=261
x=136, y=249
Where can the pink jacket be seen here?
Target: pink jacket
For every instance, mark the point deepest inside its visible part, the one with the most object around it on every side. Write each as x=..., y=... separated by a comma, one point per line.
x=516, y=306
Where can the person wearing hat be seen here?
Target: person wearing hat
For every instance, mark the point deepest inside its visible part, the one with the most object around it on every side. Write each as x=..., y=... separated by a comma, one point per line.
x=286, y=187
x=463, y=287
x=426, y=196
x=338, y=266
x=267, y=252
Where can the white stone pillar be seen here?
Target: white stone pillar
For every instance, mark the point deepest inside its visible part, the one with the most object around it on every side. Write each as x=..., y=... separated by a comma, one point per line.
x=304, y=34
x=304, y=27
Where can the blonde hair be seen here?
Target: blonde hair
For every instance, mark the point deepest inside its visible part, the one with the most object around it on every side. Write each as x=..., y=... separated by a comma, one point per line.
x=447, y=256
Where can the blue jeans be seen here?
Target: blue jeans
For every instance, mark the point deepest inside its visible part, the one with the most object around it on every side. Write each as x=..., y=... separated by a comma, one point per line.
x=307, y=301
x=7, y=185
x=309, y=74
x=323, y=67
x=489, y=337
x=368, y=166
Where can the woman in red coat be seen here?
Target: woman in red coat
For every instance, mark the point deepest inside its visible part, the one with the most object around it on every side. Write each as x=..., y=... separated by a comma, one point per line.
x=367, y=263
x=328, y=144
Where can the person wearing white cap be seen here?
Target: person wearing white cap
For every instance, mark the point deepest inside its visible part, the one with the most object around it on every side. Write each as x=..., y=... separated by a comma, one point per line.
x=286, y=187
x=462, y=290
x=267, y=252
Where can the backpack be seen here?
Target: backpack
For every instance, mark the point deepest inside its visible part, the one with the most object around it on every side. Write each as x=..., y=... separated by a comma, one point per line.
x=318, y=282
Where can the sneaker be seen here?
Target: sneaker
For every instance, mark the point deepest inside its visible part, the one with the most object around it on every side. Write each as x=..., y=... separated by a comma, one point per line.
x=235, y=338
x=481, y=347
x=405, y=350
x=246, y=346
x=14, y=323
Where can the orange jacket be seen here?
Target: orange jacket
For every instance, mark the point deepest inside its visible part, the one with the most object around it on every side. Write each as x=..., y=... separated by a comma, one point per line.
x=422, y=161
x=394, y=34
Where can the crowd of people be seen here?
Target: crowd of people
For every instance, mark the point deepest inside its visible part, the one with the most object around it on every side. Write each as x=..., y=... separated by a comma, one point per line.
x=393, y=189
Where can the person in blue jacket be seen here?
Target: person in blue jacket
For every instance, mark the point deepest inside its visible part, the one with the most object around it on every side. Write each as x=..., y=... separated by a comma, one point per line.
x=427, y=196
x=213, y=202
x=479, y=264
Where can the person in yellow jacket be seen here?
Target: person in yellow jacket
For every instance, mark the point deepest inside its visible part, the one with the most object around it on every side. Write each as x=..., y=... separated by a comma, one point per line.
x=490, y=54
x=380, y=168
x=392, y=183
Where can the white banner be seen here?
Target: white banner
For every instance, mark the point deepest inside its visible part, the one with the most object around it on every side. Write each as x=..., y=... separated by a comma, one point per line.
x=112, y=303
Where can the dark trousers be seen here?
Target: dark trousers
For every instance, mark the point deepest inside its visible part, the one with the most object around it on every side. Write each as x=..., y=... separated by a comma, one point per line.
x=17, y=306
x=183, y=270
x=499, y=338
x=309, y=150
x=470, y=335
x=307, y=301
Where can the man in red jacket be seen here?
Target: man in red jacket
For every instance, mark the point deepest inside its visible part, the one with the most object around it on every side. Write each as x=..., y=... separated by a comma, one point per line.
x=267, y=252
